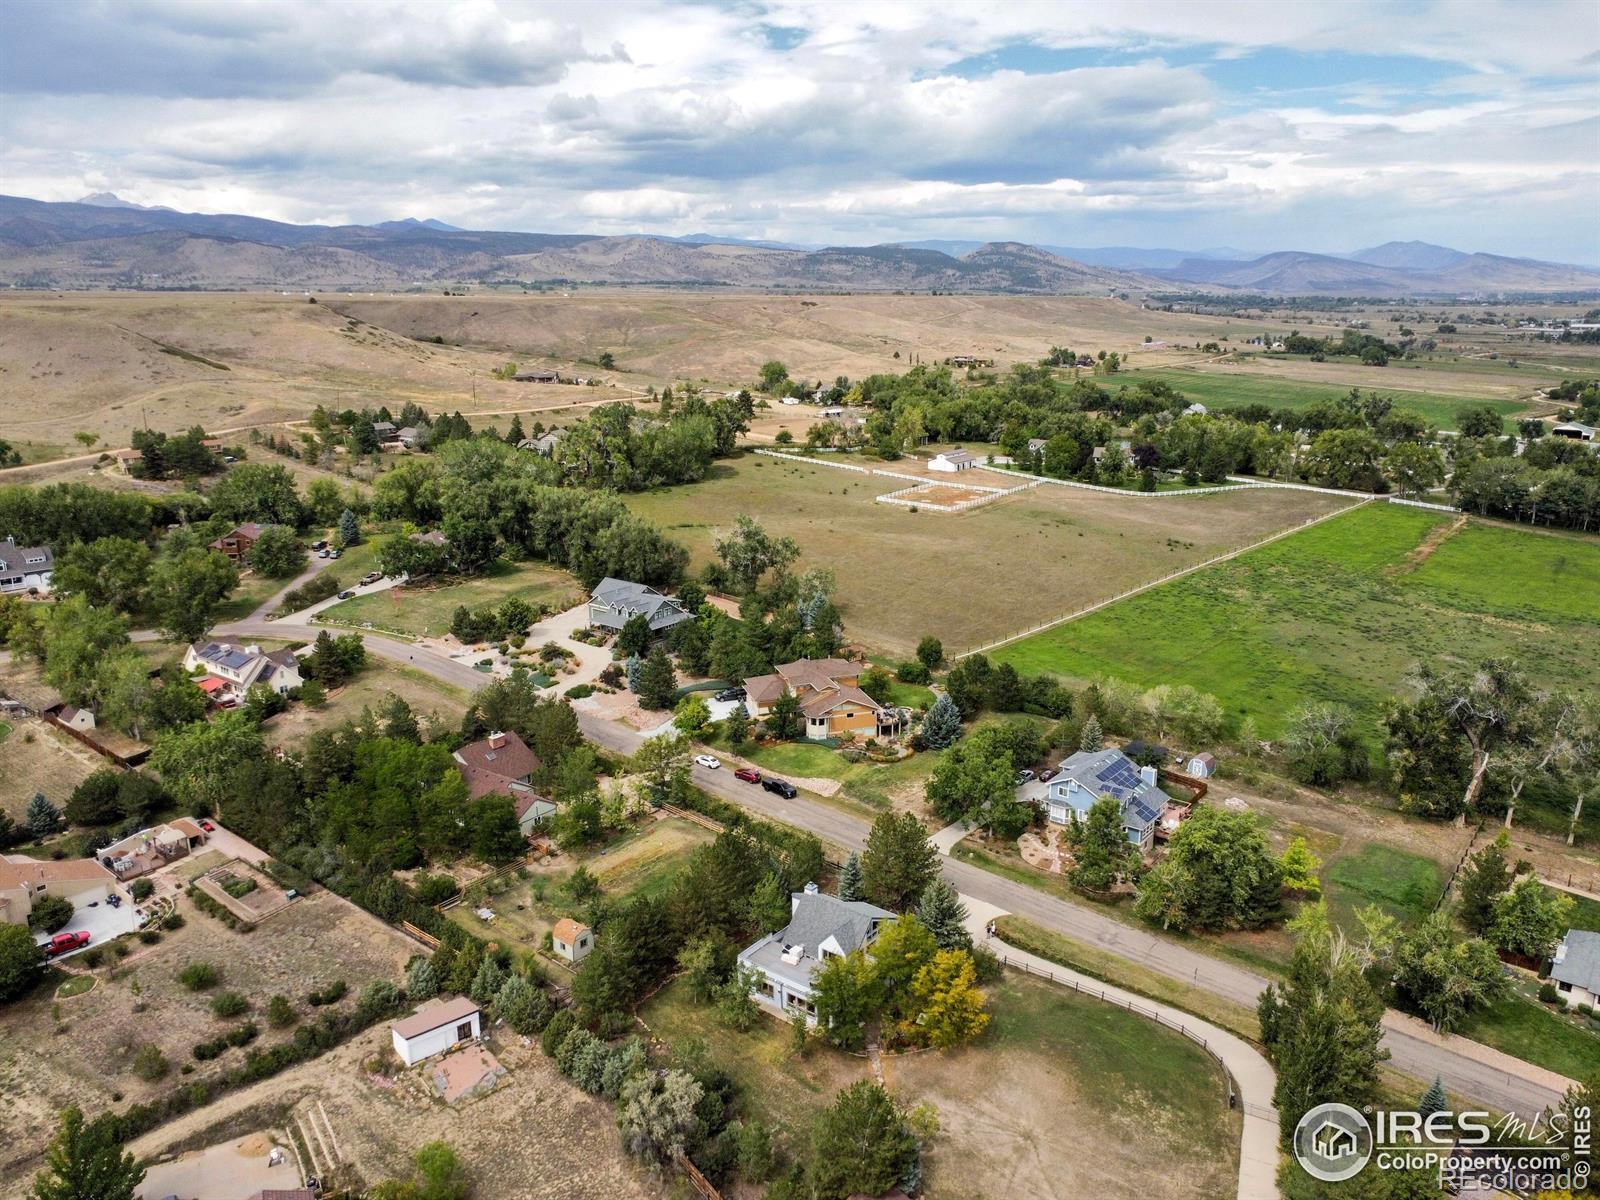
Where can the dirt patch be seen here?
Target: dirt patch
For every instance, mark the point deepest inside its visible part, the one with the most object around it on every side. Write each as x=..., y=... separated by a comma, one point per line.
x=946, y=494
x=1427, y=546
x=1044, y=849
x=38, y=757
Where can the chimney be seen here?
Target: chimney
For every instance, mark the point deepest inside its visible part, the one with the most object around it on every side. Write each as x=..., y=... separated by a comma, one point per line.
x=496, y=740
x=252, y=649
x=811, y=889
x=1148, y=774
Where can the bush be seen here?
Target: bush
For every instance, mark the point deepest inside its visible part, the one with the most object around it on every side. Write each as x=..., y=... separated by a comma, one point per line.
x=912, y=672
x=141, y=890
x=229, y=1004
x=206, y=1051
x=239, y=888
x=1548, y=993
x=331, y=994
x=579, y=690
x=434, y=889
x=198, y=976
x=241, y=1035
x=149, y=936
x=51, y=914
x=149, y=1064
x=280, y=1012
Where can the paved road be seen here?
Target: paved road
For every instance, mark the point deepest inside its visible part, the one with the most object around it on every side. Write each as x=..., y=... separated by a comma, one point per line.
x=1505, y=1083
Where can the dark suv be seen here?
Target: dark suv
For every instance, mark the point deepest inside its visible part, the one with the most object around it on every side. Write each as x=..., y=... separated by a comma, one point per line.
x=781, y=786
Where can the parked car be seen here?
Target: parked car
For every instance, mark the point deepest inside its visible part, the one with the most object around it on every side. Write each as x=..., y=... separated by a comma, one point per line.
x=335, y=553
x=347, y=594
x=207, y=826
x=731, y=694
x=322, y=545
x=62, y=942
x=748, y=774
x=709, y=761
x=1025, y=776
x=324, y=553
x=1048, y=774
x=371, y=577
x=782, y=787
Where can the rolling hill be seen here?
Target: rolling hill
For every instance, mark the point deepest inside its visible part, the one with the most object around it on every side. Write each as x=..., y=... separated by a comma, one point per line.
x=1393, y=269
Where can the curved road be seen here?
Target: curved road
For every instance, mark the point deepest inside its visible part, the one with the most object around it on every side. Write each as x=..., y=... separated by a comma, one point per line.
x=1468, y=1068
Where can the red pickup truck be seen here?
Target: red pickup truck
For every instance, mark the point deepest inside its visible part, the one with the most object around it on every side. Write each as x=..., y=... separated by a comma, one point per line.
x=62, y=942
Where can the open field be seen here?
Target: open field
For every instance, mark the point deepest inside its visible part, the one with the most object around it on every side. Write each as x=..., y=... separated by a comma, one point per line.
x=1228, y=385
x=38, y=757
x=378, y=680
x=1053, y=1070
x=86, y=1056
x=428, y=609
x=1344, y=612
x=972, y=576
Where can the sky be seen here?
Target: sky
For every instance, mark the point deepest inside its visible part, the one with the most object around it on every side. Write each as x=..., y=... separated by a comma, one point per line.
x=1160, y=123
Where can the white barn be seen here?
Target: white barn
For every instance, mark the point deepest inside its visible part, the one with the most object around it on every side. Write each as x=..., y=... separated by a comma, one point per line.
x=952, y=461
x=435, y=1030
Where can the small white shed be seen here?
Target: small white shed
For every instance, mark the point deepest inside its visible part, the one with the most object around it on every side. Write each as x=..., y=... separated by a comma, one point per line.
x=435, y=1030
x=952, y=460
x=571, y=940
x=1202, y=766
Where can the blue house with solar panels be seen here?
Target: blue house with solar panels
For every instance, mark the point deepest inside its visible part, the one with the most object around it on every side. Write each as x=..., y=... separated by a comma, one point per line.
x=1085, y=777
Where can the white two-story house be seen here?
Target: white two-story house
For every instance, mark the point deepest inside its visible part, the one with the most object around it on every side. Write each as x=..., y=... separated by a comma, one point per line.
x=820, y=927
x=228, y=671
x=25, y=568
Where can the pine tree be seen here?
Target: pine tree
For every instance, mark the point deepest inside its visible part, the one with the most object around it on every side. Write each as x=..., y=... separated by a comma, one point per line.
x=850, y=878
x=1092, y=738
x=43, y=817
x=941, y=727
x=515, y=434
x=769, y=904
x=1433, y=1100
x=349, y=529
x=945, y=916
x=657, y=681
x=633, y=666
x=737, y=726
x=1485, y=876
x=487, y=982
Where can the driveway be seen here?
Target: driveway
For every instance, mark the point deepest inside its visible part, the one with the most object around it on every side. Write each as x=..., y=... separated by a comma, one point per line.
x=559, y=629
x=233, y=1171
x=102, y=922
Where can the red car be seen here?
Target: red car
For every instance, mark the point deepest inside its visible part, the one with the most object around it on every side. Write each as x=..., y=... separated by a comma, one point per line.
x=62, y=942
x=748, y=774
x=208, y=826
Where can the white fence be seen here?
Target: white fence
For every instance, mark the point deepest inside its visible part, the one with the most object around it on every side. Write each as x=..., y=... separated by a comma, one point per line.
x=1131, y=493
x=903, y=496
x=1445, y=508
x=814, y=462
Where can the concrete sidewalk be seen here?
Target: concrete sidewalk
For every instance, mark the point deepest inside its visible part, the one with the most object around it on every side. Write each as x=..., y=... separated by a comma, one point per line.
x=1252, y=1074
x=946, y=839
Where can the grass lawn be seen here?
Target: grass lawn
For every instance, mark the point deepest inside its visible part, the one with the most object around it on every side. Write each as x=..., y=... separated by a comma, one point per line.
x=1053, y=1070
x=1585, y=912
x=1344, y=612
x=427, y=610
x=1406, y=886
x=75, y=986
x=5, y=730
x=957, y=576
x=868, y=783
x=253, y=589
x=1238, y=388
x=1532, y=1031
x=378, y=680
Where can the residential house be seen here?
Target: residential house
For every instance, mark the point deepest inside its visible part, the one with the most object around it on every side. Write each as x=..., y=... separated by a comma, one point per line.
x=126, y=459
x=386, y=431
x=832, y=703
x=80, y=720
x=1087, y=776
x=537, y=376
x=1203, y=766
x=571, y=940
x=236, y=545
x=432, y=538
x=545, y=443
x=26, y=881
x=436, y=1029
x=820, y=927
x=501, y=764
x=1575, y=967
x=407, y=436
x=228, y=670
x=1036, y=445
x=151, y=849
x=25, y=568
x=953, y=461
x=614, y=601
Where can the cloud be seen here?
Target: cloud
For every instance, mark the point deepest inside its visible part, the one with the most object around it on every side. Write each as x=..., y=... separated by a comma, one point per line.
x=1291, y=125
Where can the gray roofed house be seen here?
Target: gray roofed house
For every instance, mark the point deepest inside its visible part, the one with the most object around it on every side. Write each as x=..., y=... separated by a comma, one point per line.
x=1575, y=967
x=25, y=568
x=385, y=430
x=1035, y=445
x=1086, y=777
x=820, y=927
x=613, y=601
x=545, y=443
x=1575, y=430
x=228, y=670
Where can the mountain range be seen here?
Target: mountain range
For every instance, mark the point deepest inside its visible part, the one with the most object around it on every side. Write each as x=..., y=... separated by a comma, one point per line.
x=104, y=241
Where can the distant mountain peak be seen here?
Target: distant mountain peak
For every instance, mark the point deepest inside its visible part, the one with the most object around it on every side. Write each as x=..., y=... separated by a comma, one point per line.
x=1410, y=256
x=426, y=223
x=112, y=200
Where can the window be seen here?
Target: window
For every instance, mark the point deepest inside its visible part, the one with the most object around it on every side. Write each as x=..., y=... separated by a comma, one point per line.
x=463, y=1031
x=1564, y=987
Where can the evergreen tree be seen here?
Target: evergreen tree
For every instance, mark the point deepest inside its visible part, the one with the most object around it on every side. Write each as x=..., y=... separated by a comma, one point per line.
x=634, y=664
x=737, y=726
x=1102, y=855
x=486, y=984
x=899, y=862
x=783, y=718
x=349, y=529
x=1485, y=876
x=941, y=726
x=399, y=721
x=850, y=886
x=769, y=904
x=657, y=681
x=1433, y=1100
x=515, y=434
x=945, y=916
x=930, y=652
x=43, y=817
x=635, y=636
x=1093, y=739
x=422, y=981
x=83, y=1163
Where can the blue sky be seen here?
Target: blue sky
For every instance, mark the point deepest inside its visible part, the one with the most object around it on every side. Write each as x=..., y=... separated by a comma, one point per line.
x=1319, y=126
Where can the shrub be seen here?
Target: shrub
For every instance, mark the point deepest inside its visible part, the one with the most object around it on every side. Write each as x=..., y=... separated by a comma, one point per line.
x=331, y=994
x=241, y=1035
x=579, y=690
x=912, y=672
x=141, y=890
x=92, y=957
x=433, y=889
x=51, y=914
x=198, y=976
x=229, y=1004
x=1548, y=993
x=149, y=1064
x=206, y=1051
x=280, y=1012
x=239, y=888
x=149, y=936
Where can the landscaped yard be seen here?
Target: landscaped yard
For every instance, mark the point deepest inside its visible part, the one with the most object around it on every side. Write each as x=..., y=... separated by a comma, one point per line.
x=428, y=609
x=873, y=784
x=1256, y=385
x=1522, y=1026
x=1054, y=1072
x=1344, y=612
x=972, y=577
x=1406, y=886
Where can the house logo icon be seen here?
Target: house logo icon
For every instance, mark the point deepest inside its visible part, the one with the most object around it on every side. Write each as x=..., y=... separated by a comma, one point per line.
x=1332, y=1142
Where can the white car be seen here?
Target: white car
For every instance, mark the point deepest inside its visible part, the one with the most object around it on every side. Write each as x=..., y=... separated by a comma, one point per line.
x=709, y=761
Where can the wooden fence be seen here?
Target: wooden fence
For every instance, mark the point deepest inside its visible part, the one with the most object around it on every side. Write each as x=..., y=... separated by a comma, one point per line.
x=421, y=935
x=700, y=819
x=697, y=1181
